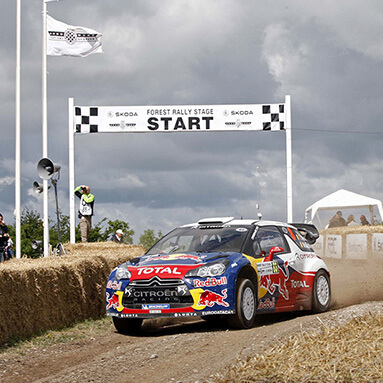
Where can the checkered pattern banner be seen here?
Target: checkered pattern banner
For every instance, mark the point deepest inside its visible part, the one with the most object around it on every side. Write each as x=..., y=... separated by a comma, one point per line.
x=183, y=118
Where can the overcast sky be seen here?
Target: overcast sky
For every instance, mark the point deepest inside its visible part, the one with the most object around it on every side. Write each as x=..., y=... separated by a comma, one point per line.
x=327, y=55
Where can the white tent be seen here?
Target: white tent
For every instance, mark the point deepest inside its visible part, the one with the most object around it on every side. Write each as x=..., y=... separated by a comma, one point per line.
x=343, y=199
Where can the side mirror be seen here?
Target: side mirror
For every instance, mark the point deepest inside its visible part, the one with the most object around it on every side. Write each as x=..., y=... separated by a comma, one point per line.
x=273, y=250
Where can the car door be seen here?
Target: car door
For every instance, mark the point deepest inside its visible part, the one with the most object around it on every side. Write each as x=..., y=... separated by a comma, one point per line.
x=274, y=272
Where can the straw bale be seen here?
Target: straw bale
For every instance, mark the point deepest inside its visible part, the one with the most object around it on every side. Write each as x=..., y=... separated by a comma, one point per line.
x=50, y=293
x=343, y=353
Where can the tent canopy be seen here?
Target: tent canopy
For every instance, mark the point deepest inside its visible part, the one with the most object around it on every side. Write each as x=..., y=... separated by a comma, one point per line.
x=343, y=199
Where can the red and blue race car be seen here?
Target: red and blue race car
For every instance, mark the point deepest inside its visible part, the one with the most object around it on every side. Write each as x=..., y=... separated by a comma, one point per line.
x=223, y=266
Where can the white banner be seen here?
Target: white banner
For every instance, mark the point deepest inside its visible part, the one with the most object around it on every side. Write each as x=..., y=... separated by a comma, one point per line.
x=356, y=246
x=333, y=246
x=182, y=118
x=377, y=245
x=318, y=247
x=67, y=40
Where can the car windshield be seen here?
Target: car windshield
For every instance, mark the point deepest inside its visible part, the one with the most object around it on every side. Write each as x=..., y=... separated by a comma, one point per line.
x=202, y=239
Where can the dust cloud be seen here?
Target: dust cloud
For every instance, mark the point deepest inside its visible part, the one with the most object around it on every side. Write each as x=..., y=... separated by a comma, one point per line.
x=355, y=281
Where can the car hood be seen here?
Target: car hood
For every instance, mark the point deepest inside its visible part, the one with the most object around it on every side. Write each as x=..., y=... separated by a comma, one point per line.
x=178, y=259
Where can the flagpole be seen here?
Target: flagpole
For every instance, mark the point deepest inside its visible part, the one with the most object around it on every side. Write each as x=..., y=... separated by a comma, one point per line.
x=72, y=217
x=289, y=161
x=17, y=132
x=45, y=131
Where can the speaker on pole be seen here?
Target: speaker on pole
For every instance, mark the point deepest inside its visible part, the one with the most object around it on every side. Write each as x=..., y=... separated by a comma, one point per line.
x=46, y=168
x=38, y=189
x=36, y=244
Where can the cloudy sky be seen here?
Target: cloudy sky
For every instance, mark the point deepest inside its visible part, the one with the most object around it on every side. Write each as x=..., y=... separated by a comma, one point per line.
x=327, y=55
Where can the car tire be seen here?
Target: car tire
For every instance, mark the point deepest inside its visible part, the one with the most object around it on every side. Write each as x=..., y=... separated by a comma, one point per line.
x=246, y=305
x=321, y=292
x=128, y=326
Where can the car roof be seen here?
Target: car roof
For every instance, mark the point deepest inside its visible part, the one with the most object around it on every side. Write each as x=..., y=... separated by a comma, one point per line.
x=217, y=221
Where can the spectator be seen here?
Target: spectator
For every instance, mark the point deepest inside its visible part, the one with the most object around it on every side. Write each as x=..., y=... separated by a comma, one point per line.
x=3, y=237
x=118, y=236
x=364, y=221
x=337, y=220
x=85, y=210
x=9, y=253
x=351, y=221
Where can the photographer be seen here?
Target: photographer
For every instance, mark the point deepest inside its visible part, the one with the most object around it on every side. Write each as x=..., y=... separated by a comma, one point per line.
x=85, y=210
x=3, y=237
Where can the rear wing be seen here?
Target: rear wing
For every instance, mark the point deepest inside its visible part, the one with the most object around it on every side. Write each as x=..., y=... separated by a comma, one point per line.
x=309, y=231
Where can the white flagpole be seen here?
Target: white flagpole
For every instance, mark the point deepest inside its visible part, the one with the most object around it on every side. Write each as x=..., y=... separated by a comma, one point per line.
x=17, y=128
x=72, y=217
x=289, y=166
x=45, y=131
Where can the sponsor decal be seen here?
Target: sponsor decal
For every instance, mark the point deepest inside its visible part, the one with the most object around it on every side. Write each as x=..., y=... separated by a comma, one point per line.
x=266, y=268
x=210, y=298
x=305, y=256
x=163, y=272
x=114, y=285
x=267, y=303
x=295, y=284
x=210, y=282
x=271, y=281
x=172, y=257
x=156, y=307
x=185, y=315
x=113, y=301
x=217, y=312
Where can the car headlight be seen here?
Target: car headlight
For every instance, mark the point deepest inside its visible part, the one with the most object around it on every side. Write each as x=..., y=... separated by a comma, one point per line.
x=122, y=272
x=209, y=270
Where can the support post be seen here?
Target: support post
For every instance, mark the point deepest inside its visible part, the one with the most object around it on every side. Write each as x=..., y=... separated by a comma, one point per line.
x=289, y=166
x=45, y=132
x=17, y=134
x=72, y=216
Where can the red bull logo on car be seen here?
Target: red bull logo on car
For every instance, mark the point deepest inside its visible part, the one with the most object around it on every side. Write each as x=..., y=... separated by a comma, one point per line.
x=273, y=280
x=113, y=302
x=210, y=282
x=210, y=298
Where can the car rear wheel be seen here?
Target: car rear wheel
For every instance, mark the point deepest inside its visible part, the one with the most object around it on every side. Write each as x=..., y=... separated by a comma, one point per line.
x=321, y=292
x=245, y=305
x=127, y=325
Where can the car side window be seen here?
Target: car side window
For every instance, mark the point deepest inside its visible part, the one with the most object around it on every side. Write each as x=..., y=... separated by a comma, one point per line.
x=265, y=239
x=298, y=238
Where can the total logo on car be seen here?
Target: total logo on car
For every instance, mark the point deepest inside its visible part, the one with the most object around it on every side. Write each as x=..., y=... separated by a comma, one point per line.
x=222, y=266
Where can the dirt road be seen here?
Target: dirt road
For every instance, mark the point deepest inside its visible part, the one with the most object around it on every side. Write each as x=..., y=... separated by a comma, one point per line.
x=191, y=351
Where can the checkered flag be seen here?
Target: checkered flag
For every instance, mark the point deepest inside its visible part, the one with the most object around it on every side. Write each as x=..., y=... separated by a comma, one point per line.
x=86, y=119
x=273, y=117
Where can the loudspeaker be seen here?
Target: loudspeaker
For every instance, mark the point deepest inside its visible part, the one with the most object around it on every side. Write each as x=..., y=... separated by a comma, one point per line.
x=36, y=244
x=46, y=168
x=38, y=189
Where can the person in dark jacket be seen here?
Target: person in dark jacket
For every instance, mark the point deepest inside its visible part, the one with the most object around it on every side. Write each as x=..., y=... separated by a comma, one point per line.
x=363, y=221
x=117, y=237
x=337, y=220
x=3, y=237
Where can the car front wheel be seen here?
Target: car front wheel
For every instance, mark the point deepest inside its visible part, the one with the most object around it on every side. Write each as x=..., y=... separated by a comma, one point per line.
x=321, y=292
x=128, y=326
x=245, y=305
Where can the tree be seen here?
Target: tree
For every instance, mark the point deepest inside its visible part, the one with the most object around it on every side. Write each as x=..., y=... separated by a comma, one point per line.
x=32, y=229
x=148, y=239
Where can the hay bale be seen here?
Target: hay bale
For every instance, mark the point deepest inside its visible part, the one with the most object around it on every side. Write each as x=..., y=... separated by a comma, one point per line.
x=48, y=293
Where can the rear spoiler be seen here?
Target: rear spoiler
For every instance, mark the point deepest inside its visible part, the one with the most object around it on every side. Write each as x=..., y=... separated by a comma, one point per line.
x=309, y=231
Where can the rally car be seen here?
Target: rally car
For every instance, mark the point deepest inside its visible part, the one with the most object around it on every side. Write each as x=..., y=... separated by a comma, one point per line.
x=226, y=267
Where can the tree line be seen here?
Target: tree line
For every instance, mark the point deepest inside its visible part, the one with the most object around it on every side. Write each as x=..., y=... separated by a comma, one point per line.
x=31, y=224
